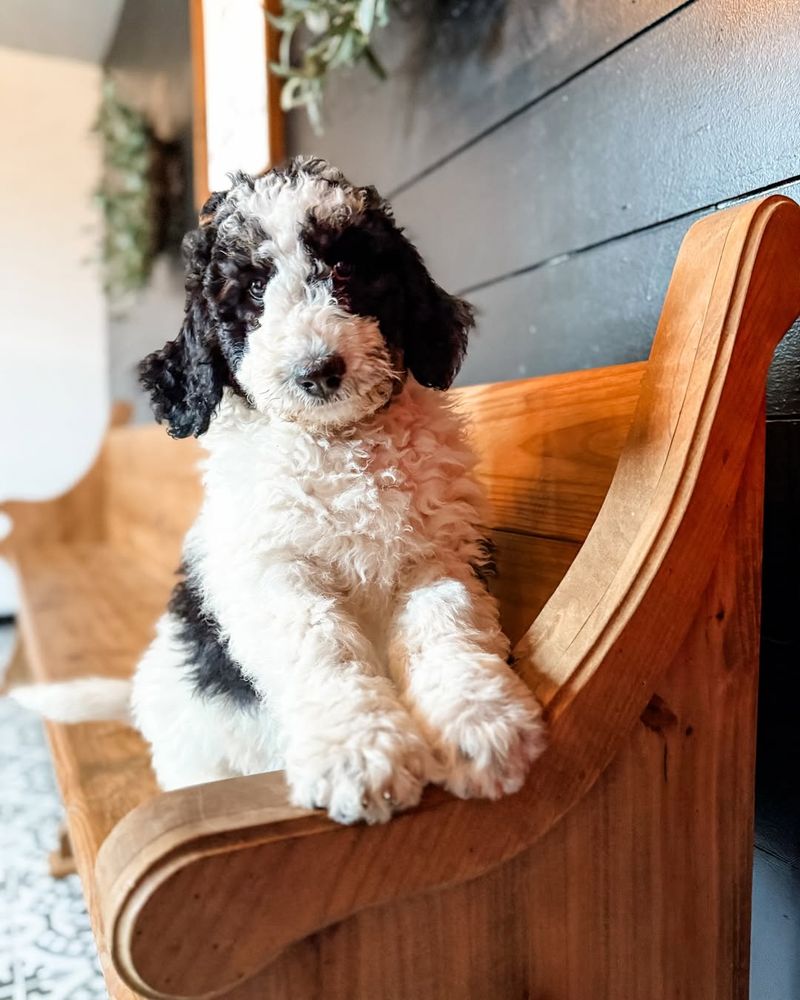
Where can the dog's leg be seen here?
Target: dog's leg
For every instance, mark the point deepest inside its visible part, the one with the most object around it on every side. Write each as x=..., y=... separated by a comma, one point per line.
x=349, y=744
x=448, y=656
x=189, y=745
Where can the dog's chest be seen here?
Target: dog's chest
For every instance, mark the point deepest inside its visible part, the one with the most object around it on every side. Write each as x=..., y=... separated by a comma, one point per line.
x=352, y=506
x=357, y=507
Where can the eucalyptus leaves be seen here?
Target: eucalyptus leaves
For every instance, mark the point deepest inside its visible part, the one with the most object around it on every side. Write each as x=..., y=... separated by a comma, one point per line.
x=336, y=33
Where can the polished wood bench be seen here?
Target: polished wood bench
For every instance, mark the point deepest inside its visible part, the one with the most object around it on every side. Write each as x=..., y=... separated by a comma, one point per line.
x=627, y=507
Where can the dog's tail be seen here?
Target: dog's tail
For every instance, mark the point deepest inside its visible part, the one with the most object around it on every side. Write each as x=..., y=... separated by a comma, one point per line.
x=86, y=699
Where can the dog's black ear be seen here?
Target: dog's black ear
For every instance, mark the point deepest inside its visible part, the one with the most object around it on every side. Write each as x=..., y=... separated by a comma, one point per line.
x=186, y=377
x=437, y=325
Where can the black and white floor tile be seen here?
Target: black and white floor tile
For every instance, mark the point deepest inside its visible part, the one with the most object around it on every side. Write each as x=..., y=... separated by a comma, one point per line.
x=46, y=944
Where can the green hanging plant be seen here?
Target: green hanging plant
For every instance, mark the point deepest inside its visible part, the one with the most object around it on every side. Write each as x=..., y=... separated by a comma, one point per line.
x=335, y=33
x=140, y=197
x=125, y=197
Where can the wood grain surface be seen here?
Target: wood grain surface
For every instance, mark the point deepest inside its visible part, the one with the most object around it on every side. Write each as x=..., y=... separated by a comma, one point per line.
x=548, y=449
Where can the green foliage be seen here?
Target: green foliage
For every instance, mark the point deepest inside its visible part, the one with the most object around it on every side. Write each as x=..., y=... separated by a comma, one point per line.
x=326, y=34
x=125, y=197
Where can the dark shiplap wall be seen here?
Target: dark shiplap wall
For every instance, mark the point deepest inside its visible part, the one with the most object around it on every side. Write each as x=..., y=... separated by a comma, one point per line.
x=548, y=161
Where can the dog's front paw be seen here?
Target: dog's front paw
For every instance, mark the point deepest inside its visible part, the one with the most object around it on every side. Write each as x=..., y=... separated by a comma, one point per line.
x=487, y=740
x=366, y=775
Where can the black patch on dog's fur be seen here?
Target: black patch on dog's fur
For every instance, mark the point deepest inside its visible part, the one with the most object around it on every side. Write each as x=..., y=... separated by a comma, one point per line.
x=186, y=377
x=212, y=670
x=377, y=272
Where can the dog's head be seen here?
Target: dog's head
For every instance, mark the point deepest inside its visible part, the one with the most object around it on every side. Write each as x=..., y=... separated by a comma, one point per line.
x=305, y=298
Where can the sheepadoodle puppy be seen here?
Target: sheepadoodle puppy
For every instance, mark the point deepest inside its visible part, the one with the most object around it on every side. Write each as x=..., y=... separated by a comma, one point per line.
x=332, y=618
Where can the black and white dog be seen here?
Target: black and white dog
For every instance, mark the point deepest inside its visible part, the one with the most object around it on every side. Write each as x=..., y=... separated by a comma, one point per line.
x=332, y=619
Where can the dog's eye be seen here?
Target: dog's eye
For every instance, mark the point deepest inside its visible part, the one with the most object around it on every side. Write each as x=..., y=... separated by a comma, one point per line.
x=256, y=288
x=342, y=269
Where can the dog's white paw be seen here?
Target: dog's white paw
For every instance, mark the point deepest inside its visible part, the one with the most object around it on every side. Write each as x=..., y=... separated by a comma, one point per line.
x=488, y=741
x=366, y=776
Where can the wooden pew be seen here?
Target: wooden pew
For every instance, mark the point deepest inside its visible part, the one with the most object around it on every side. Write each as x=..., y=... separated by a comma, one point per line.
x=627, y=508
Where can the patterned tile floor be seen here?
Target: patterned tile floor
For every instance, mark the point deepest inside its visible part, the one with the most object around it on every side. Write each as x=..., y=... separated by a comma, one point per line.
x=46, y=945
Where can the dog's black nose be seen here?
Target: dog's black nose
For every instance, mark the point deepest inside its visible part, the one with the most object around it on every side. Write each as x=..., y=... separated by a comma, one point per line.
x=323, y=377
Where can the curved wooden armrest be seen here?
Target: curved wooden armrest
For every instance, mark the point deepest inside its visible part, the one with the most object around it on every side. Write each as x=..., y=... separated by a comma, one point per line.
x=169, y=872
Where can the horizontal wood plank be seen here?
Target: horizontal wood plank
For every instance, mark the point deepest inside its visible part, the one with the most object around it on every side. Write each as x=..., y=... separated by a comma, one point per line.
x=600, y=157
x=598, y=307
x=549, y=447
x=449, y=81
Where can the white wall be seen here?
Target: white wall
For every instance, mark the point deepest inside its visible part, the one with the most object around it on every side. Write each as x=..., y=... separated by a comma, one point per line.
x=80, y=29
x=53, y=355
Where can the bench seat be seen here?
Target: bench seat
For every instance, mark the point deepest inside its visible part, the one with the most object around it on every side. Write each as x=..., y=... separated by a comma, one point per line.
x=626, y=506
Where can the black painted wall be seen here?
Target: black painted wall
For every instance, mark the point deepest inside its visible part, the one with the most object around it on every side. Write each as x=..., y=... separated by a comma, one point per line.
x=547, y=157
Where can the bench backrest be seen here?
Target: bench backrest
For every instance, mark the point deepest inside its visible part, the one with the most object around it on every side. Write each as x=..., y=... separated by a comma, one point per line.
x=548, y=448
x=152, y=491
